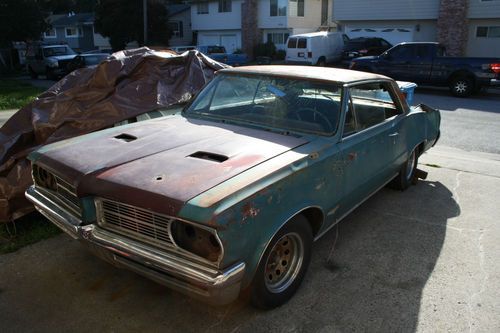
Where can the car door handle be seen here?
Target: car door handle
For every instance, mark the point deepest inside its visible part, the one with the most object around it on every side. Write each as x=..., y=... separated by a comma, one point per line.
x=394, y=134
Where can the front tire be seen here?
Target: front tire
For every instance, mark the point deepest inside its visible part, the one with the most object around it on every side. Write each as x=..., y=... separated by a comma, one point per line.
x=461, y=86
x=283, y=265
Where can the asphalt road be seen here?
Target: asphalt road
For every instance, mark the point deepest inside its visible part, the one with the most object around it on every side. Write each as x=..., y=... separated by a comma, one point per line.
x=471, y=124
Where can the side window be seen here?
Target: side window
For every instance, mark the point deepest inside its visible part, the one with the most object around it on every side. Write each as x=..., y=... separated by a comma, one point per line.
x=402, y=52
x=370, y=104
x=302, y=44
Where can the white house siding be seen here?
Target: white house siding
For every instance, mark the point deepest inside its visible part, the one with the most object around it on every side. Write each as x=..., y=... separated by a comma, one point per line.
x=414, y=31
x=346, y=10
x=215, y=20
x=187, y=33
x=484, y=9
x=266, y=21
x=311, y=18
x=482, y=46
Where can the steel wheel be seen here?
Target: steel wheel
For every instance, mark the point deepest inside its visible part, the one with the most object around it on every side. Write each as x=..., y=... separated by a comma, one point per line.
x=284, y=262
x=461, y=86
x=410, y=167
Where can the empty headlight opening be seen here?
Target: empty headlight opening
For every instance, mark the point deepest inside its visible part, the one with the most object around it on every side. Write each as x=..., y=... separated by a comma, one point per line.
x=199, y=241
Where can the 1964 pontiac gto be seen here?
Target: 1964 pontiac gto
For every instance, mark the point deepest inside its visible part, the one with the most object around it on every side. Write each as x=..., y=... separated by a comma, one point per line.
x=229, y=194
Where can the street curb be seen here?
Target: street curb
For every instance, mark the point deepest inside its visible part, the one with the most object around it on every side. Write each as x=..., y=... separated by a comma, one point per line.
x=486, y=164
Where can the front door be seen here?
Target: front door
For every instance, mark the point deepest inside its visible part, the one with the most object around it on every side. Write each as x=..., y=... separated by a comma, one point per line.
x=369, y=143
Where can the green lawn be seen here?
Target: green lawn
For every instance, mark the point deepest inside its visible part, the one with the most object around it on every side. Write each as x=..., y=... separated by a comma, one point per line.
x=25, y=231
x=15, y=94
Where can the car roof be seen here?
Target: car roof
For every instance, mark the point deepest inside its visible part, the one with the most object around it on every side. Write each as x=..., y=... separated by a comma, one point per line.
x=306, y=72
x=315, y=34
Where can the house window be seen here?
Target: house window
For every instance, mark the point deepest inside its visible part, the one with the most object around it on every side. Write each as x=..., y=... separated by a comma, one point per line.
x=277, y=37
x=488, y=32
x=52, y=33
x=225, y=6
x=202, y=8
x=176, y=29
x=278, y=7
x=297, y=8
x=73, y=32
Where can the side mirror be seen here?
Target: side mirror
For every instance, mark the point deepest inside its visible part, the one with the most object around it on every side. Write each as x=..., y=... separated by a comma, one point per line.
x=386, y=56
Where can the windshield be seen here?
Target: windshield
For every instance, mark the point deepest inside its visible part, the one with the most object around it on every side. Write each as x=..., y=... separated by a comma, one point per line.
x=57, y=50
x=272, y=102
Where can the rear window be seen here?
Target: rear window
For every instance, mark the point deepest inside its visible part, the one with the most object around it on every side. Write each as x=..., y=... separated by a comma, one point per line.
x=292, y=43
x=302, y=44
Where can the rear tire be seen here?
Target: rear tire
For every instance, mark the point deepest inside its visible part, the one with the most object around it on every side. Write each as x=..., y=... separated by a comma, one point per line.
x=461, y=86
x=283, y=265
x=321, y=62
x=406, y=174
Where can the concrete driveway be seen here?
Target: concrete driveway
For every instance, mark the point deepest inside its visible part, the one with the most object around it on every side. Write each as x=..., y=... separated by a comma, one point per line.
x=424, y=260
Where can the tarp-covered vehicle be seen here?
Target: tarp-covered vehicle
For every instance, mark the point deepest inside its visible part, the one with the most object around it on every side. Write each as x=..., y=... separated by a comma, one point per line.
x=129, y=84
x=230, y=194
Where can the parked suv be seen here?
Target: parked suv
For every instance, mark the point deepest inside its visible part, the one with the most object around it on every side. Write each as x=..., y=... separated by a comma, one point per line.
x=365, y=46
x=48, y=60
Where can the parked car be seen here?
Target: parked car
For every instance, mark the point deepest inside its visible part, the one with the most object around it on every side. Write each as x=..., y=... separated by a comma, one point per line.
x=47, y=59
x=364, y=46
x=229, y=195
x=427, y=64
x=315, y=48
x=182, y=49
x=218, y=53
x=85, y=60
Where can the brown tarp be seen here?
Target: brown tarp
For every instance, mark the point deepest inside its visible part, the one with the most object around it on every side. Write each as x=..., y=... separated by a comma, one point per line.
x=130, y=83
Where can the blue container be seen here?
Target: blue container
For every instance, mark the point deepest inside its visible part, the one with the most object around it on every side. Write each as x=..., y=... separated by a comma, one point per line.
x=408, y=89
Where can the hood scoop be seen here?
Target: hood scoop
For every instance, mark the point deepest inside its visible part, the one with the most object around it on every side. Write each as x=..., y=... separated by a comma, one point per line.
x=202, y=155
x=125, y=137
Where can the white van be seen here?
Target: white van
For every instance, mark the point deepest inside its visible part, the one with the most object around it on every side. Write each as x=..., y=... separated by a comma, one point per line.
x=315, y=48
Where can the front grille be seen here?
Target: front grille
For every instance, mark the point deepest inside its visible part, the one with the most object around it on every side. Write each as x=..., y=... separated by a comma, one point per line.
x=61, y=190
x=136, y=223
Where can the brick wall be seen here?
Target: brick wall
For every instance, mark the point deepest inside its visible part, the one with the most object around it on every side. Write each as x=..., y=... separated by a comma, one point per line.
x=452, y=26
x=250, y=33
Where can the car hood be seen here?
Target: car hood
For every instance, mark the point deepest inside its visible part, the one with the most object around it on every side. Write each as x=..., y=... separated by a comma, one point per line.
x=161, y=164
x=367, y=58
x=62, y=57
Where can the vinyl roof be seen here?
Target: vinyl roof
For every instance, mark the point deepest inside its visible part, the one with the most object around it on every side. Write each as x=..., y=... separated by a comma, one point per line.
x=306, y=72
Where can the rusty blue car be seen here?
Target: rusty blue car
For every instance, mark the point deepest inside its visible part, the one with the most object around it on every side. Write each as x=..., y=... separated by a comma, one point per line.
x=226, y=197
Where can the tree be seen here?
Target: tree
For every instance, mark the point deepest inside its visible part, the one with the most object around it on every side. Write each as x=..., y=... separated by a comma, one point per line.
x=21, y=20
x=122, y=22
x=66, y=6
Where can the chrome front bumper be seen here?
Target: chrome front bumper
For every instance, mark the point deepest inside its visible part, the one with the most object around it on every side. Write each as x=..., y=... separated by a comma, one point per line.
x=209, y=284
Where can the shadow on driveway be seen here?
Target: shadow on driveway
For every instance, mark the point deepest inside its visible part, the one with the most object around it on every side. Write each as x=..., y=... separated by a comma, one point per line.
x=384, y=254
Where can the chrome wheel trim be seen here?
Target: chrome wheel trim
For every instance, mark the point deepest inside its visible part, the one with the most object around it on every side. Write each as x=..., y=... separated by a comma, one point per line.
x=284, y=262
x=461, y=87
x=410, y=166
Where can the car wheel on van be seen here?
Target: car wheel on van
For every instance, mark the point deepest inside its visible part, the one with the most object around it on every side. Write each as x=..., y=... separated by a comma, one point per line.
x=321, y=62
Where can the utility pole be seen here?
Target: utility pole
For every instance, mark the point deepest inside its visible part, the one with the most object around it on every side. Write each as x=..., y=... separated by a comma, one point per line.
x=145, y=19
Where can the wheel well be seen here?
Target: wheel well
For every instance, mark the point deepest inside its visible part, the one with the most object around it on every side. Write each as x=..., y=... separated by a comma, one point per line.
x=420, y=148
x=462, y=73
x=315, y=218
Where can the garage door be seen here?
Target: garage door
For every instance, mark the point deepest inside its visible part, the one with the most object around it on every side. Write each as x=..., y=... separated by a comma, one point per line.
x=208, y=39
x=228, y=41
x=392, y=35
